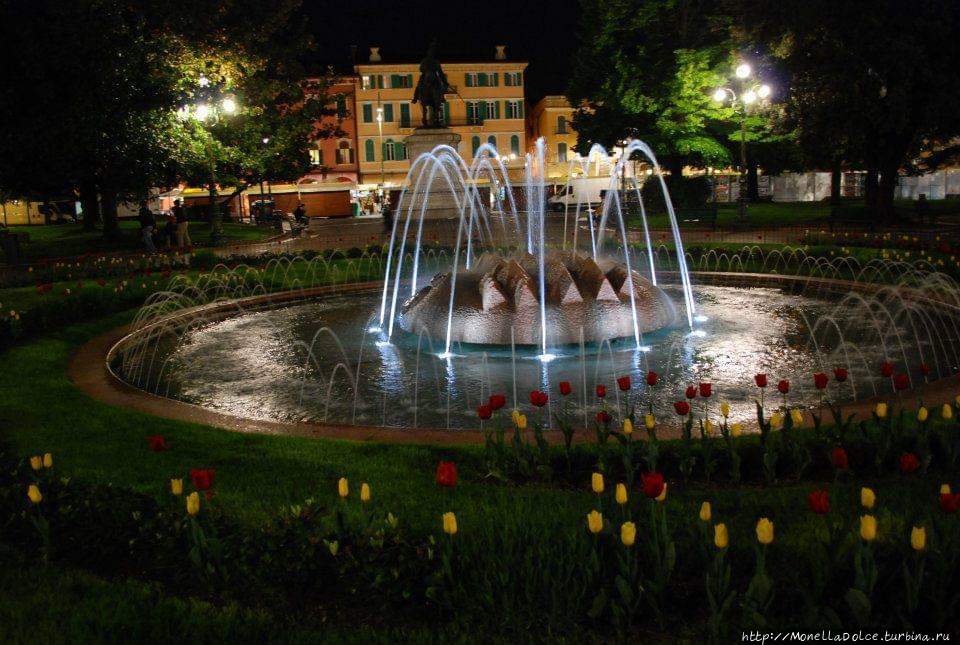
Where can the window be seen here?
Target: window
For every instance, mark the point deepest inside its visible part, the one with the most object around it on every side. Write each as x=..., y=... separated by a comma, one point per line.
x=316, y=157
x=446, y=112
x=400, y=149
x=404, y=115
x=513, y=110
x=470, y=79
x=474, y=112
x=388, y=112
x=475, y=143
x=366, y=82
x=341, y=107
x=515, y=145
x=513, y=79
x=369, y=150
x=389, y=152
x=482, y=79
x=344, y=152
x=492, y=140
x=368, y=113
x=401, y=80
x=493, y=109
x=562, y=152
x=494, y=79
x=561, y=125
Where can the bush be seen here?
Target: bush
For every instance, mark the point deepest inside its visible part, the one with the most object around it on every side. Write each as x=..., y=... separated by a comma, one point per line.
x=685, y=193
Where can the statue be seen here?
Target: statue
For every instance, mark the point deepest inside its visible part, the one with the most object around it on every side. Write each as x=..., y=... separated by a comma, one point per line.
x=431, y=88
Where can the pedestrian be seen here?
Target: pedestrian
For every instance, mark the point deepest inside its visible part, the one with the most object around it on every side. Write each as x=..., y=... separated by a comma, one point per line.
x=300, y=213
x=183, y=231
x=387, y=219
x=147, y=224
x=170, y=231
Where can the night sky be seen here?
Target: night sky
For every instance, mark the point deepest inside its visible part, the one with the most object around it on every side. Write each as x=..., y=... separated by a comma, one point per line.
x=542, y=33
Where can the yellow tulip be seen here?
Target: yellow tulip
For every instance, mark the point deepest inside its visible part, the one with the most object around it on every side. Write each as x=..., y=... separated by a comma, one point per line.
x=34, y=494
x=343, y=487
x=193, y=503
x=514, y=416
x=867, y=497
x=663, y=494
x=764, y=531
x=945, y=489
x=650, y=421
x=918, y=538
x=797, y=417
x=621, y=494
x=705, y=512
x=923, y=414
x=776, y=420
x=881, y=410
x=596, y=483
x=628, y=533
x=176, y=486
x=47, y=460
x=868, y=528
x=946, y=411
x=736, y=429
x=364, y=492
x=627, y=427
x=521, y=422
x=708, y=427
x=449, y=523
x=595, y=521
x=725, y=409
x=36, y=462
x=720, y=537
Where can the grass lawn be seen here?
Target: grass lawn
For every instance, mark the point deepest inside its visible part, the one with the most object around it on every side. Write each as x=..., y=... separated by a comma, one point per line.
x=65, y=240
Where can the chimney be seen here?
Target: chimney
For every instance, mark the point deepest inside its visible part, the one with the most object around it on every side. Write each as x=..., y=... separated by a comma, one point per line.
x=375, y=55
x=501, y=52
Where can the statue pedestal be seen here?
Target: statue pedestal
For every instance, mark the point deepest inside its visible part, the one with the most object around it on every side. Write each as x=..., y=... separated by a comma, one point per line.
x=440, y=201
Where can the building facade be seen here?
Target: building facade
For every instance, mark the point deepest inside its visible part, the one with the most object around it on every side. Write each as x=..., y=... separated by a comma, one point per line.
x=552, y=118
x=486, y=106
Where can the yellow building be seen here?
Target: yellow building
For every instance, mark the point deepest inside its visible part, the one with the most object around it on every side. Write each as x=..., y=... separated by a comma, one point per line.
x=487, y=106
x=551, y=118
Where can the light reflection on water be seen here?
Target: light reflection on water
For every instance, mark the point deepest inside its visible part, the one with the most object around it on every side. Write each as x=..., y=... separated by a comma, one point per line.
x=257, y=365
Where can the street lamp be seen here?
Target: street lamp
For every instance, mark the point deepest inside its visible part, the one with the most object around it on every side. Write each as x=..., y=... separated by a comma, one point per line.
x=380, y=130
x=745, y=94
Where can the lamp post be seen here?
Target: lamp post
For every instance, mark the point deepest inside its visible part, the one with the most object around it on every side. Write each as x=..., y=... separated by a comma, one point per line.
x=380, y=131
x=745, y=93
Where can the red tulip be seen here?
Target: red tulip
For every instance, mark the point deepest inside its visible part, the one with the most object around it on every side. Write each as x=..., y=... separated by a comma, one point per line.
x=202, y=478
x=819, y=502
x=497, y=401
x=886, y=369
x=603, y=417
x=623, y=383
x=901, y=382
x=706, y=389
x=908, y=462
x=783, y=386
x=760, y=380
x=652, y=484
x=925, y=369
x=484, y=412
x=102, y=282
x=157, y=443
x=652, y=378
x=839, y=459
x=447, y=474
x=538, y=398
x=565, y=388
x=950, y=502
x=601, y=391
x=682, y=408
x=691, y=392
x=840, y=374
x=820, y=380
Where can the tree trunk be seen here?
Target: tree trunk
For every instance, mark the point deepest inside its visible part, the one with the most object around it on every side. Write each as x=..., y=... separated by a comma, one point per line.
x=886, y=189
x=108, y=204
x=753, y=183
x=674, y=165
x=90, y=204
x=870, y=188
x=835, y=180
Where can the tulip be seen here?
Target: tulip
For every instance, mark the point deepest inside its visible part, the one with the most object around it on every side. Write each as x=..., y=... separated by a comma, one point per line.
x=923, y=414
x=819, y=502
x=33, y=493
x=691, y=392
x=333, y=547
x=521, y=421
x=918, y=538
x=36, y=462
x=650, y=421
x=950, y=502
x=565, y=388
x=538, y=398
x=946, y=412
x=514, y=416
x=392, y=520
x=761, y=381
x=601, y=391
x=840, y=374
x=705, y=512
x=176, y=486
x=708, y=427
x=945, y=489
x=364, y=492
x=783, y=386
x=901, y=382
x=497, y=401
x=925, y=369
x=908, y=462
x=867, y=497
x=705, y=389
x=820, y=380
x=881, y=410
x=839, y=459
x=596, y=483
x=796, y=416
x=343, y=487
x=776, y=421
x=447, y=474
x=623, y=383
x=736, y=429
x=202, y=478
x=682, y=408
x=652, y=378
x=652, y=484
x=193, y=503
x=628, y=533
x=603, y=417
x=621, y=494
x=156, y=443
x=627, y=427
x=764, y=531
x=594, y=521
x=484, y=412
x=868, y=528
x=725, y=409
x=47, y=460
x=720, y=537
x=450, y=523
x=663, y=493
x=886, y=369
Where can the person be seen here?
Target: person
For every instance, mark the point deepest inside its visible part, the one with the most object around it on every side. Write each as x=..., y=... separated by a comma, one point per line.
x=170, y=231
x=300, y=213
x=147, y=223
x=387, y=219
x=183, y=232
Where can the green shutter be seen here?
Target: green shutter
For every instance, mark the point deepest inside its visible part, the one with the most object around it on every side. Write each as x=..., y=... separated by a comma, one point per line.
x=409, y=80
x=519, y=109
x=368, y=150
x=475, y=142
x=482, y=111
x=508, y=79
x=482, y=79
x=399, y=150
x=367, y=113
x=388, y=112
x=383, y=149
x=404, y=115
x=495, y=79
x=515, y=145
x=468, y=80
x=492, y=140
x=446, y=112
